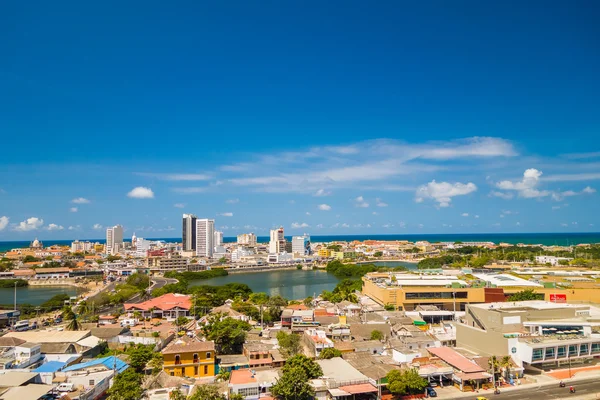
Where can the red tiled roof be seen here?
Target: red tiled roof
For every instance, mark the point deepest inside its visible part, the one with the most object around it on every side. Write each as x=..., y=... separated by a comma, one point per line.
x=241, y=377
x=455, y=359
x=260, y=361
x=297, y=307
x=165, y=302
x=360, y=388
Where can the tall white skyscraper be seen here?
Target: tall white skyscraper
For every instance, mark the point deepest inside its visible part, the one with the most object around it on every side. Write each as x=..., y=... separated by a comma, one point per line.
x=247, y=239
x=114, y=239
x=188, y=233
x=276, y=241
x=301, y=245
x=205, y=236
x=218, y=241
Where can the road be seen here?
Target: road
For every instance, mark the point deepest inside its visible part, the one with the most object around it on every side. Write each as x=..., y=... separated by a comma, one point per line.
x=588, y=388
x=160, y=282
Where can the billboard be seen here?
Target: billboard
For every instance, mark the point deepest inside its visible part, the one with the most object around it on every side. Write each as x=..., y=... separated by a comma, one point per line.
x=558, y=298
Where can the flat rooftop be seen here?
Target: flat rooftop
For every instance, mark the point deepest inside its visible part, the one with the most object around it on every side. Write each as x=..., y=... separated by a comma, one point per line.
x=530, y=304
x=506, y=280
x=340, y=370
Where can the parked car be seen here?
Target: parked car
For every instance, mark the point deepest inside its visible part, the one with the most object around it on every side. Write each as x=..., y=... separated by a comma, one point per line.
x=431, y=392
x=65, y=387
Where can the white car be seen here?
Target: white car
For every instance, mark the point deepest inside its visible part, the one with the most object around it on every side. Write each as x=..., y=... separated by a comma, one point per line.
x=65, y=387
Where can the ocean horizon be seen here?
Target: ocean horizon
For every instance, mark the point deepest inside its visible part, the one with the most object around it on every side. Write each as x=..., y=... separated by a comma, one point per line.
x=548, y=239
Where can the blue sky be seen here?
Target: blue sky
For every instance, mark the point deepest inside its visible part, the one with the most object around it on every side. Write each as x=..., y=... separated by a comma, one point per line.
x=323, y=117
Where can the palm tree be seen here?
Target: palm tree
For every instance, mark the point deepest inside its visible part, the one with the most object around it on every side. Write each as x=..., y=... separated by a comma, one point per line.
x=494, y=366
x=83, y=308
x=506, y=363
x=73, y=324
x=137, y=315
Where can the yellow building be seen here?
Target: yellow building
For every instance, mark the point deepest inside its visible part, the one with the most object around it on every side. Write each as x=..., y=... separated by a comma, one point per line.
x=189, y=358
x=343, y=255
x=324, y=252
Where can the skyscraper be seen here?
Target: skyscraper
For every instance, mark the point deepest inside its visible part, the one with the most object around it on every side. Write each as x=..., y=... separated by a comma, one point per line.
x=114, y=239
x=301, y=245
x=247, y=239
x=277, y=241
x=218, y=241
x=205, y=235
x=188, y=233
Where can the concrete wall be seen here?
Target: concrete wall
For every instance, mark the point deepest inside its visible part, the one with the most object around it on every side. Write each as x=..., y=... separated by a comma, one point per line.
x=485, y=343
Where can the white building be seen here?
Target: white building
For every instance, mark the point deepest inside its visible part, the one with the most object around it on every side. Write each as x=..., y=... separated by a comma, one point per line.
x=188, y=233
x=301, y=245
x=218, y=238
x=80, y=247
x=276, y=241
x=248, y=239
x=317, y=341
x=205, y=234
x=142, y=246
x=239, y=253
x=114, y=239
x=551, y=260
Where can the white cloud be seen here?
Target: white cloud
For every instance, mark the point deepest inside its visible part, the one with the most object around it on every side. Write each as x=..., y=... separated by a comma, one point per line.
x=319, y=226
x=345, y=225
x=387, y=226
x=360, y=202
x=298, y=225
x=141, y=192
x=176, y=177
x=80, y=200
x=464, y=214
x=74, y=228
x=476, y=216
x=375, y=213
x=4, y=222
x=324, y=207
x=307, y=213
x=564, y=224
x=232, y=201
x=226, y=214
x=518, y=224
x=589, y=190
x=73, y=209
x=578, y=156
x=322, y=193
x=179, y=205
x=502, y=195
x=573, y=223
x=336, y=225
x=443, y=192
x=54, y=227
x=380, y=203
x=527, y=187
x=558, y=196
x=97, y=227
x=29, y=224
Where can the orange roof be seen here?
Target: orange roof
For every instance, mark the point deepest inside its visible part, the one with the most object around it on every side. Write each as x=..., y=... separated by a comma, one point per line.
x=359, y=388
x=297, y=307
x=241, y=377
x=24, y=272
x=81, y=264
x=90, y=257
x=51, y=270
x=165, y=302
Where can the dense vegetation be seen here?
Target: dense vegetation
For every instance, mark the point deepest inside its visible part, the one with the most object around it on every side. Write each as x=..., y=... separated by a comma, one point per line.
x=192, y=276
x=527, y=294
x=407, y=381
x=293, y=384
x=228, y=334
x=342, y=271
x=10, y=283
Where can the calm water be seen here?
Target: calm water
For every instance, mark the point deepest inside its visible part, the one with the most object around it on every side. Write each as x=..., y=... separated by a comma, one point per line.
x=555, y=238
x=394, y=264
x=35, y=295
x=291, y=284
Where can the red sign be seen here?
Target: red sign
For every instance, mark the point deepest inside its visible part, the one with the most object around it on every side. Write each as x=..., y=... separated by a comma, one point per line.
x=558, y=298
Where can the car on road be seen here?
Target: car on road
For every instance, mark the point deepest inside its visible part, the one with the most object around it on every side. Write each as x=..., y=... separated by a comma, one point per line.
x=481, y=398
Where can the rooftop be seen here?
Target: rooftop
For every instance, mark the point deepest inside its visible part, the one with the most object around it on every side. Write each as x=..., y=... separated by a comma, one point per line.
x=49, y=336
x=506, y=280
x=188, y=347
x=165, y=302
x=11, y=378
x=527, y=305
x=455, y=359
x=340, y=370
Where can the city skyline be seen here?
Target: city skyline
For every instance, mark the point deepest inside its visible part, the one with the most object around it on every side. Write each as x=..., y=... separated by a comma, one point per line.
x=292, y=116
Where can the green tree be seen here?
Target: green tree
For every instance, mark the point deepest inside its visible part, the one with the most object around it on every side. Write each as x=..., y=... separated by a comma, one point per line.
x=181, y=321
x=140, y=281
x=376, y=335
x=228, y=334
x=402, y=382
x=506, y=364
x=177, y=395
x=527, y=294
x=223, y=375
x=73, y=324
x=310, y=367
x=289, y=343
x=156, y=362
x=308, y=301
x=67, y=313
x=222, y=260
x=236, y=396
x=139, y=356
x=127, y=386
x=207, y=392
x=293, y=385
x=330, y=352
x=389, y=307
x=378, y=254
x=277, y=301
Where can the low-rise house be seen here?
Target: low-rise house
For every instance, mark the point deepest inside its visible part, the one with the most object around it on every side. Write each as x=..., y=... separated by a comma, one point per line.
x=61, y=345
x=169, y=306
x=467, y=374
x=189, y=358
x=298, y=320
x=20, y=356
x=232, y=362
x=48, y=370
x=341, y=381
x=92, y=379
x=317, y=341
x=252, y=384
x=52, y=273
x=259, y=354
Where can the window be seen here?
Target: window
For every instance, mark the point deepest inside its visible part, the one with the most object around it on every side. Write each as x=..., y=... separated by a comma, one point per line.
x=595, y=348
x=177, y=359
x=573, y=350
x=549, y=352
x=248, y=391
x=196, y=370
x=537, y=354
x=206, y=370
x=562, y=352
x=208, y=354
x=195, y=357
x=436, y=295
x=92, y=382
x=584, y=349
x=182, y=371
x=172, y=373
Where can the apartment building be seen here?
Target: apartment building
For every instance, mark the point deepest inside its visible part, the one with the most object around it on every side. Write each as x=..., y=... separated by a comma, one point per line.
x=114, y=239
x=247, y=239
x=167, y=263
x=205, y=233
x=188, y=232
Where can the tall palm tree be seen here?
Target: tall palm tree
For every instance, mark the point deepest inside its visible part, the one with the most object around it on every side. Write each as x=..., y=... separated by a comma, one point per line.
x=74, y=324
x=494, y=365
x=506, y=363
x=83, y=308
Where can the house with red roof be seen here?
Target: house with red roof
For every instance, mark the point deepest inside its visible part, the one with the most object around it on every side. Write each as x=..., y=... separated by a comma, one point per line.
x=169, y=306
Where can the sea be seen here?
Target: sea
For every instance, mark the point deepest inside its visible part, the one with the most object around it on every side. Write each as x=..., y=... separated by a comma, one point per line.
x=548, y=239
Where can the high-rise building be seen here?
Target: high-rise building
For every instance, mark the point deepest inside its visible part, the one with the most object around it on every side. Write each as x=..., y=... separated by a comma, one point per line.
x=218, y=240
x=205, y=235
x=114, y=239
x=188, y=233
x=276, y=241
x=248, y=239
x=301, y=245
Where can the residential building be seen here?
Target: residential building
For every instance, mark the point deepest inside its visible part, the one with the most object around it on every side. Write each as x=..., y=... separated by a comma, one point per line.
x=301, y=245
x=189, y=358
x=251, y=384
x=81, y=247
x=554, y=261
x=238, y=254
x=324, y=252
x=19, y=353
x=170, y=262
x=218, y=239
x=92, y=377
x=114, y=239
x=168, y=306
x=247, y=239
x=52, y=273
x=258, y=354
x=205, y=233
x=317, y=341
x=298, y=320
x=276, y=241
x=534, y=333
x=188, y=233
x=343, y=255
x=142, y=246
